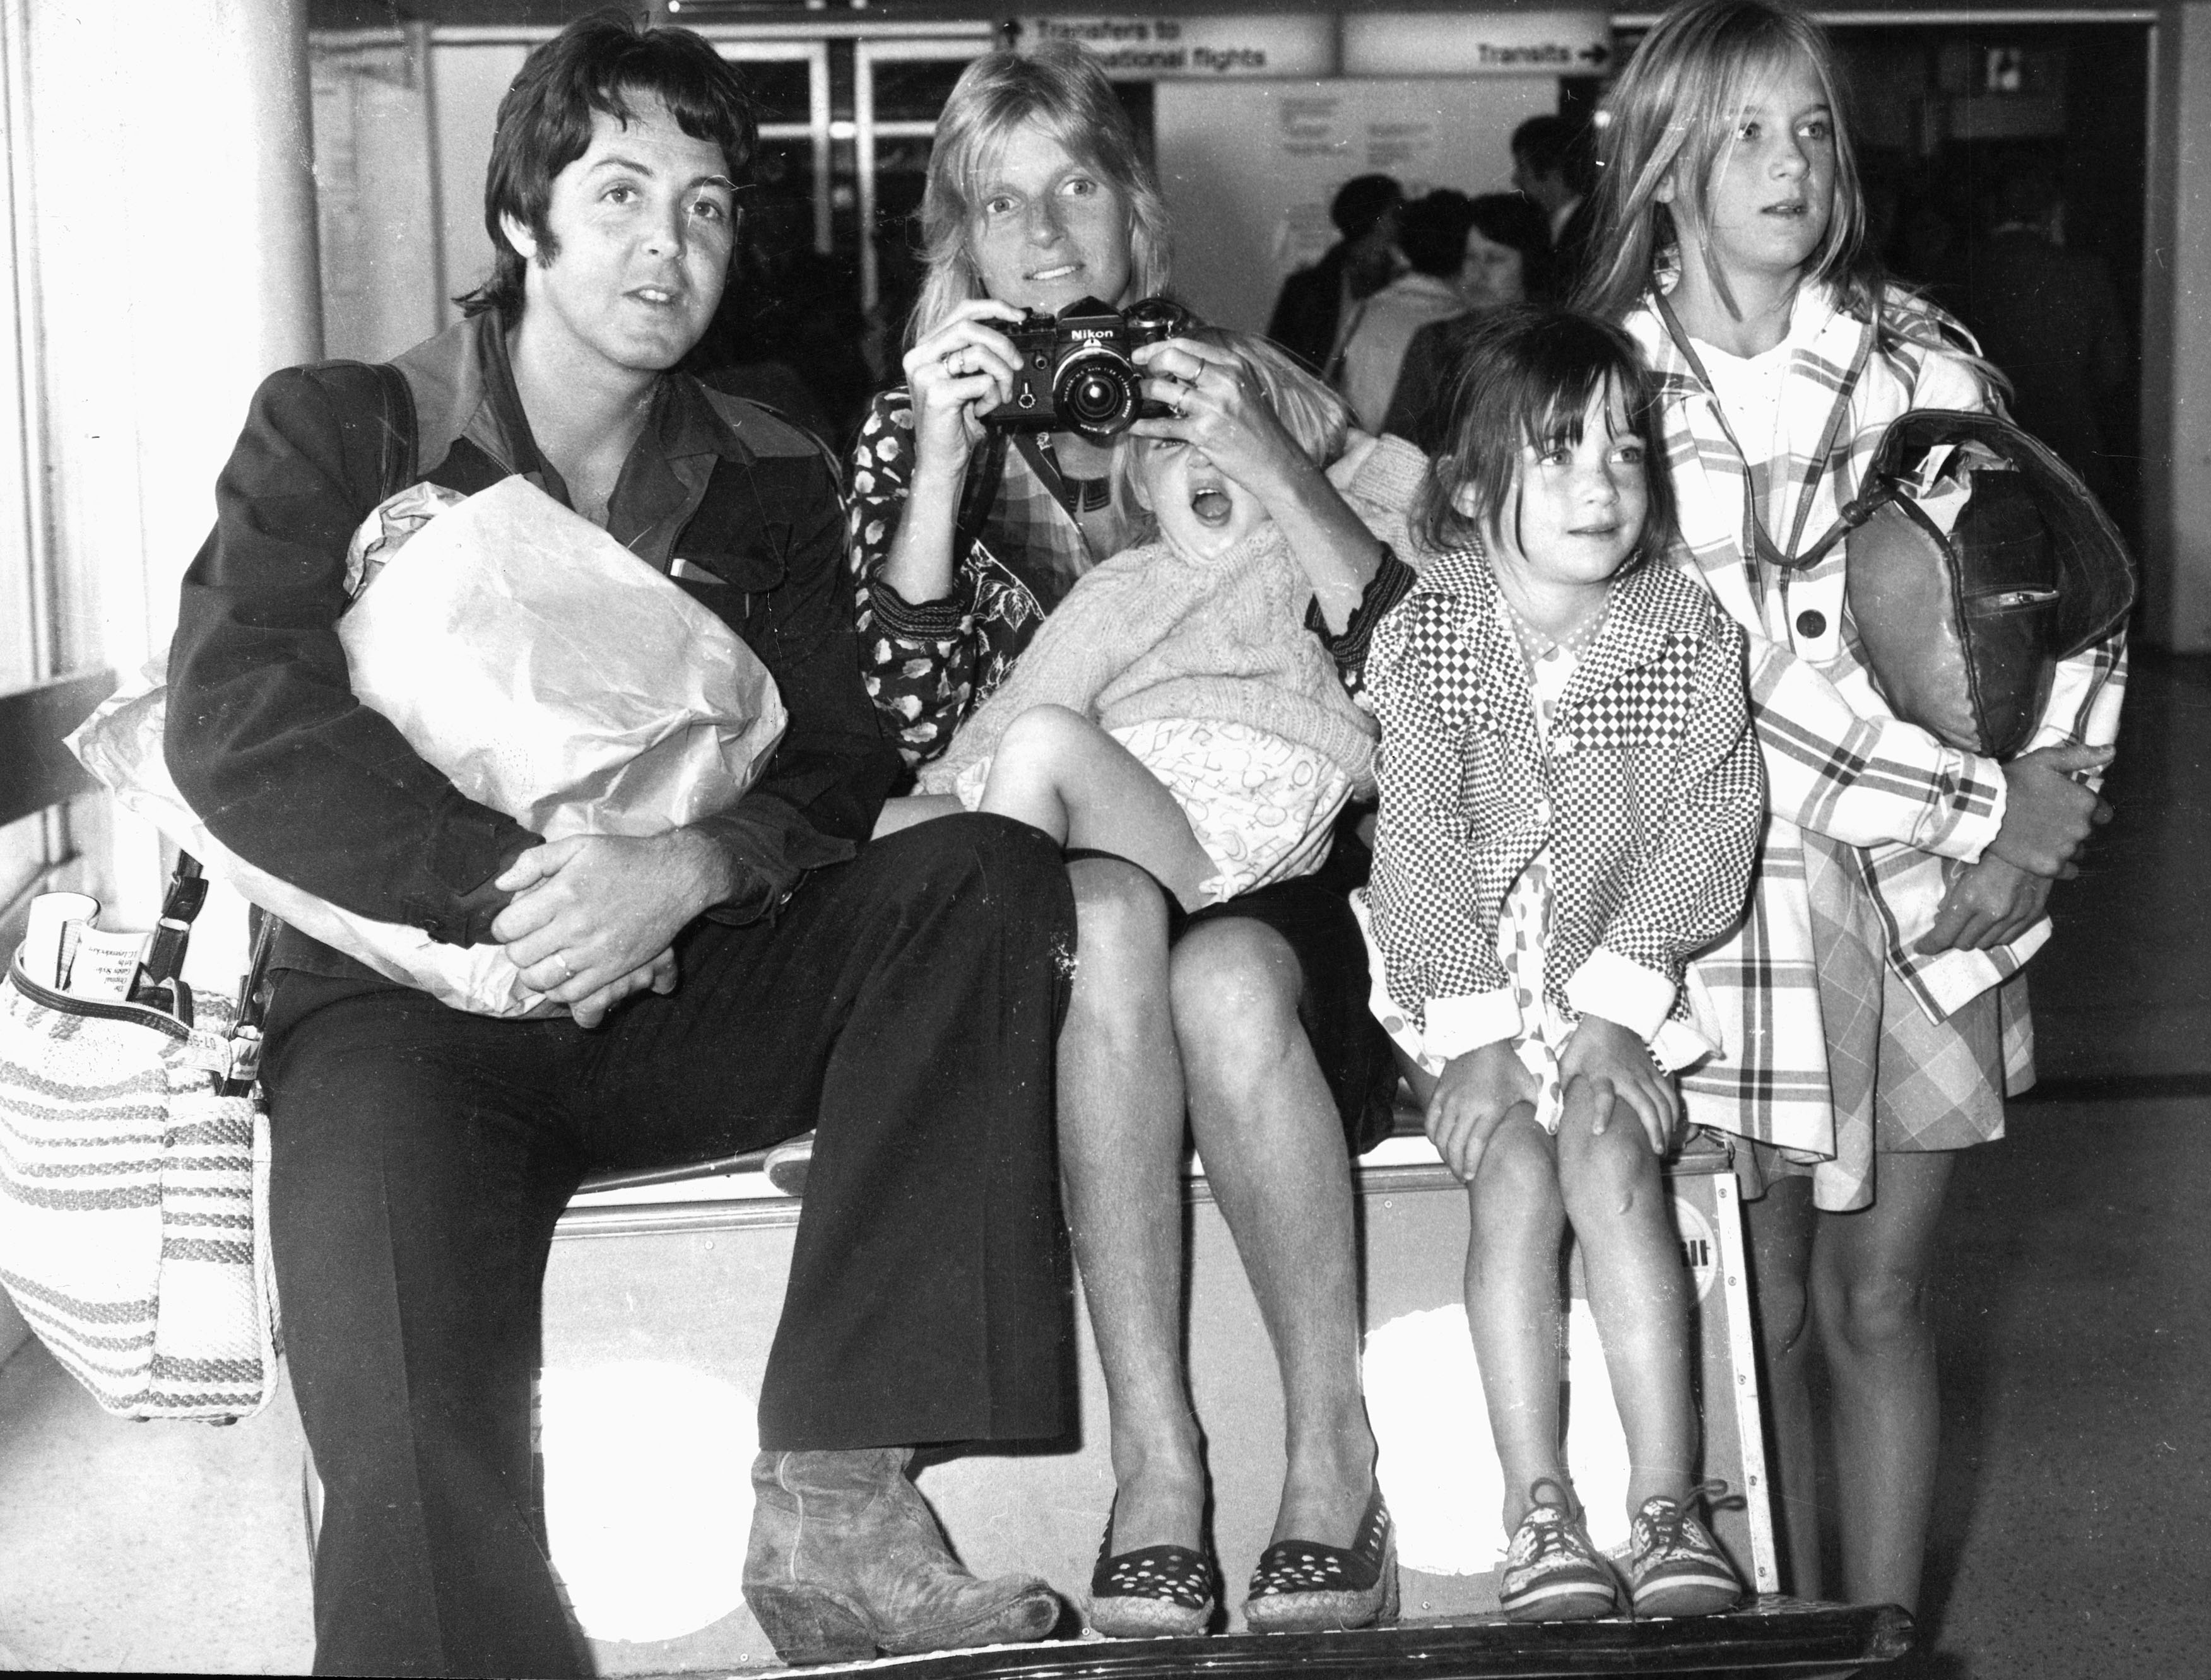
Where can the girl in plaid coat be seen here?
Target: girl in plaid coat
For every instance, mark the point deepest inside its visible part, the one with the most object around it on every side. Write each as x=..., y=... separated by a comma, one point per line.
x=1571, y=800
x=1900, y=881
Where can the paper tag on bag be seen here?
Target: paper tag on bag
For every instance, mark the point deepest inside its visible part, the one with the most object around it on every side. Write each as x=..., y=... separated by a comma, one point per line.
x=105, y=964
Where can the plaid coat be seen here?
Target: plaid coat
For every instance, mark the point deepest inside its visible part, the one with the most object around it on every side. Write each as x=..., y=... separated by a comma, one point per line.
x=1647, y=793
x=1871, y=817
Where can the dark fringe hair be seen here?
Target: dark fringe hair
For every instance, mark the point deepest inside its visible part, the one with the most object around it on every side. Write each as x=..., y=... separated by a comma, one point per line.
x=597, y=64
x=1525, y=375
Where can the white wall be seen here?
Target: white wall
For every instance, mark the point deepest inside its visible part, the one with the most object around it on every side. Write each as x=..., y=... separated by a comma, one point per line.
x=1249, y=167
x=172, y=228
x=2177, y=337
x=376, y=195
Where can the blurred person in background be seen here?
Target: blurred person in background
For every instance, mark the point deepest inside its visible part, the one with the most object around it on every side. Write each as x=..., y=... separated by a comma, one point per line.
x=788, y=332
x=1316, y=301
x=1507, y=261
x=2046, y=314
x=1550, y=167
x=1432, y=237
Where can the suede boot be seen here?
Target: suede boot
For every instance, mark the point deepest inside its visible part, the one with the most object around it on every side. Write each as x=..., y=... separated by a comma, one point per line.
x=846, y=1561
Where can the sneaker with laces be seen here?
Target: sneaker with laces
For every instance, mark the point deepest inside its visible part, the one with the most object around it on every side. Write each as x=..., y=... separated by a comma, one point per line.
x=1674, y=1566
x=1552, y=1572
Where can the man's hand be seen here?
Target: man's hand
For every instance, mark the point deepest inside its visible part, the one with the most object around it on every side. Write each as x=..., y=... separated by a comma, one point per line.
x=1991, y=902
x=1474, y=1094
x=1617, y=1067
x=2047, y=813
x=593, y=917
x=656, y=976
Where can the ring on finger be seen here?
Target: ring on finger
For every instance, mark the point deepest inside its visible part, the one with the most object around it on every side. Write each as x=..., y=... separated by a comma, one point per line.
x=567, y=969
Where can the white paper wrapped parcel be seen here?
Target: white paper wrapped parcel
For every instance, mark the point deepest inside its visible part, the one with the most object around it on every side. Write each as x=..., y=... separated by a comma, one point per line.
x=535, y=661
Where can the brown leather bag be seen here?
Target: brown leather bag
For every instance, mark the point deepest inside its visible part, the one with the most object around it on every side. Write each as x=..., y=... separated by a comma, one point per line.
x=1977, y=560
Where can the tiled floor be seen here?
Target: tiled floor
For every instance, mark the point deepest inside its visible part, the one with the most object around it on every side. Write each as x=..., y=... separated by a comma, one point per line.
x=2075, y=1511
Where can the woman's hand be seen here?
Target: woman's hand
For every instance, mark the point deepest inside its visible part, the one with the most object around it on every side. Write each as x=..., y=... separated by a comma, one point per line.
x=1219, y=407
x=956, y=375
x=1473, y=1096
x=1618, y=1066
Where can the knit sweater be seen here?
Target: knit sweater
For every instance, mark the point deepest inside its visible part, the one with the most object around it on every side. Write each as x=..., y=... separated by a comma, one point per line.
x=1156, y=633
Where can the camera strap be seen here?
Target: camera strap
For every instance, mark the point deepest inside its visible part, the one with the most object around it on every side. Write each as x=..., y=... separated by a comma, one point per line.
x=1078, y=496
x=985, y=469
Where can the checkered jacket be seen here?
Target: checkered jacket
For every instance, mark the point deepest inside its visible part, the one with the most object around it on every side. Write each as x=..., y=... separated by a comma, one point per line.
x=1872, y=808
x=1647, y=793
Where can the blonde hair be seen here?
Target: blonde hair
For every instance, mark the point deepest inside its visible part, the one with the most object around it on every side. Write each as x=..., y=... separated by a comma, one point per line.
x=1061, y=89
x=1672, y=116
x=1316, y=418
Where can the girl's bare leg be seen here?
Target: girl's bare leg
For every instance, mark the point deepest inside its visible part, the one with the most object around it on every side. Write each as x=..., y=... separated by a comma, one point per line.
x=1057, y=771
x=1617, y=1202
x=1273, y=1152
x=1783, y=1227
x=1512, y=1305
x=1869, y=1271
x=1121, y=1152
x=905, y=810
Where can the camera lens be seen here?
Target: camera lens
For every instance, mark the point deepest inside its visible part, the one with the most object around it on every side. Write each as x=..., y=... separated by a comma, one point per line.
x=1095, y=392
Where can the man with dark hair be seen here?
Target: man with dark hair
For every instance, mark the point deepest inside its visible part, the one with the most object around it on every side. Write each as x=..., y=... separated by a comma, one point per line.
x=1550, y=165
x=728, y=984
x=1315, y=301
x=1431, y=236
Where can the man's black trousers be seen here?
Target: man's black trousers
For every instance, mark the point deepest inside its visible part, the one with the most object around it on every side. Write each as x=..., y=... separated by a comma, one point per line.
x=904, y=1004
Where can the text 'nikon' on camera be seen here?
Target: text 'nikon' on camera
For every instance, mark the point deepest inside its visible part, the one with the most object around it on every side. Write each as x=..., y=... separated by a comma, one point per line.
x=1075, y=375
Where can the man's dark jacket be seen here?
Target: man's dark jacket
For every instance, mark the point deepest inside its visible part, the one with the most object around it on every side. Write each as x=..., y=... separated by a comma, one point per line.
x=269, y=746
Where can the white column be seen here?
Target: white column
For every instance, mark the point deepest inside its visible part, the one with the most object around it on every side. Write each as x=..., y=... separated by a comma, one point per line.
x=171, y=217
x=2177, y=338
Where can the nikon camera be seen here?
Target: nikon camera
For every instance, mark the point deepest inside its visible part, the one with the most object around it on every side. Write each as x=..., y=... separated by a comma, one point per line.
x=1075, y=375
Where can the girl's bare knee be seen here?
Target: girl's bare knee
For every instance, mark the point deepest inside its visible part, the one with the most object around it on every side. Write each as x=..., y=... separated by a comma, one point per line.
x=1876, y=1313
x=1116, y=902
x=1043, y=728
x=1519, y=1163
x=1609, y=1175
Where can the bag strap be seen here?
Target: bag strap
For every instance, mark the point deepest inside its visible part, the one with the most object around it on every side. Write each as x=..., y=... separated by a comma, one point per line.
x=253, y=995
x=399, y=429
x=1759, y=540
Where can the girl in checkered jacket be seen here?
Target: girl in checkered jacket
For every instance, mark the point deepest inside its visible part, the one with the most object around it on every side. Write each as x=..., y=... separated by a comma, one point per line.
x=1570, y=800
x=1867, y=1034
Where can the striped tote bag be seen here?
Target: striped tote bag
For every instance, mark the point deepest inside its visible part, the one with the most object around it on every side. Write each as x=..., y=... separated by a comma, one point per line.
x=134, y=1202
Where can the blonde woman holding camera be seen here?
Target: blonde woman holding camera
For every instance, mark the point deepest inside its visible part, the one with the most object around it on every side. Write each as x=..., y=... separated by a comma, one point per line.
x=1248, y=1017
